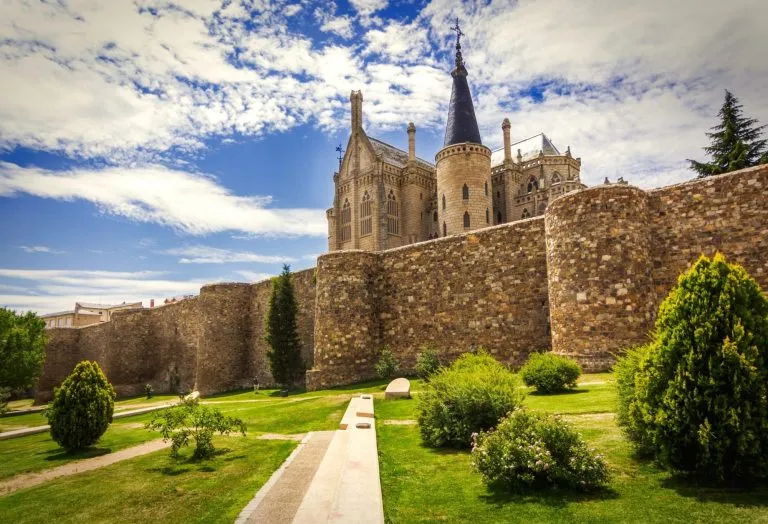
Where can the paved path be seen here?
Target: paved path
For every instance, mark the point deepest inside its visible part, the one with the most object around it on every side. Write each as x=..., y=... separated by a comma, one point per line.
x=332, y=476
x=27, y=480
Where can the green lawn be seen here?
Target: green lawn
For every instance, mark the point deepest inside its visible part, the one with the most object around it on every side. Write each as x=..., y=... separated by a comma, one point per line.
x=155, y=488
x=421, y=484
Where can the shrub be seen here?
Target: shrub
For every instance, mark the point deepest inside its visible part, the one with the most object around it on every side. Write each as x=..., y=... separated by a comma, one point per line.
x=387, y=366
x=190, y=420
x=471, y=395
x=701, y=389
x=5, y=394
x=624, y=371
x=148, y=390
x=533, y=450
x=427, y=362
x=550, y=373
x=82, y=407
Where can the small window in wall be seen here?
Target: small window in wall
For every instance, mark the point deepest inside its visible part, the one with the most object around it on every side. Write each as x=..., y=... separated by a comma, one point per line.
x=465, y=192
x=498, y=195
x=532, y=184
x=556, y=178
x=434, y=216
x=443, y=202
x=466, y=219
x=393, y=214
x=366, y=218
x=487, y=216
x=346, y=221
x=445, y=230
x=486, y=189
x=498, y=217
x=526, y=214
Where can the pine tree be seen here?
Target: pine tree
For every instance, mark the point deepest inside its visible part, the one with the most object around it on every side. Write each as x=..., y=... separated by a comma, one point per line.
x=282, y=335
x=736, y=142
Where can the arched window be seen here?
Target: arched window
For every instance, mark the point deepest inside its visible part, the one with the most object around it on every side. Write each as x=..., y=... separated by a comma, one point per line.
x=526, y=214
x=445, y=230
x=393, y=226
x=556, y=178
x=346, y=221
x=486, y=189
x=466, y=219
x=465, y=192
x=366, y=219
x=443, y=202
x=487, y=216
x=498, y=195
x=498, y=217
x=434, y=217
x=532, y=184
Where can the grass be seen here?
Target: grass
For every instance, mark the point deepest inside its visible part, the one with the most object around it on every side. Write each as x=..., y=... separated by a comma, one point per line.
x=420, y=484
x=155, y=488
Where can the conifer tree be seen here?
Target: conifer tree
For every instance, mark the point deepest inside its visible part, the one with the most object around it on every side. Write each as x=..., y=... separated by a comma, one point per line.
x=736, y=142
x=282, y=335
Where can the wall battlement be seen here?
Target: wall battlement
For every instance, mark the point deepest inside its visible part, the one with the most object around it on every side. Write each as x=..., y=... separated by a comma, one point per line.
x=584, y=280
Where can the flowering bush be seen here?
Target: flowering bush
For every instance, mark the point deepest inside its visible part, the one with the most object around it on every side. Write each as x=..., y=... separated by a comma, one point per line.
x=473, y=394
x=529, y=449
x=550, y=373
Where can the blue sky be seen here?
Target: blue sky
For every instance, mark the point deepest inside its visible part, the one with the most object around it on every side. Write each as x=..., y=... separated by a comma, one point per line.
x=150, y=146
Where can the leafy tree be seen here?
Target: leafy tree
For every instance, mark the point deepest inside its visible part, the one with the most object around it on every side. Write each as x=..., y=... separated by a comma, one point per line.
x=82, y=407
x=189, y=420
x=736, y=142
x=699, y=398
x=282, y=336
x=22, y=349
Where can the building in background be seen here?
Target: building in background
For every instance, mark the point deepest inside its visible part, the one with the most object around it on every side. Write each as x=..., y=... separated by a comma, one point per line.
x=105, y=310
x=85, y=314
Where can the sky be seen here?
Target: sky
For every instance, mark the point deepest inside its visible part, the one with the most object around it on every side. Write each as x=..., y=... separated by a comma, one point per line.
x=148, y=147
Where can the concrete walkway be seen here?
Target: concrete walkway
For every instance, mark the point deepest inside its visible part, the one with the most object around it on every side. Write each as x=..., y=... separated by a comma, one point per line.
x=332, y=476
x=23, y=432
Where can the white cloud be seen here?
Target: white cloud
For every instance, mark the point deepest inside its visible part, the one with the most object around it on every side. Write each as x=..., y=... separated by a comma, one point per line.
x=40, y=249
x=253, y=276
x=190, y=203
x=49, y=290
x=291, y=10
x=211, y=255
x=330, y=22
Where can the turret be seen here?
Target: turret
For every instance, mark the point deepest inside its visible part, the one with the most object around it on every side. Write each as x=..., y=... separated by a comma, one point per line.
x=507, y=144
x=411, y=142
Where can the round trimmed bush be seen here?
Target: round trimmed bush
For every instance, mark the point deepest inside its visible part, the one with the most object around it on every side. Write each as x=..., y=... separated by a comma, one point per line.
x=387, y=366
x=550, y=373
x=700, y=398
x=82, y=407
x=427, y=362
x=471, y=395
x=535, y=450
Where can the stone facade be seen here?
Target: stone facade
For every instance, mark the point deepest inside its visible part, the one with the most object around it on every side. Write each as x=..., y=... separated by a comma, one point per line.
x=585, y=280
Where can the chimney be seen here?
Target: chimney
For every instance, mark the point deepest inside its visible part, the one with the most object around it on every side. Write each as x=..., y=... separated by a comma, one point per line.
x=356, y=100
x=411, y=142
x=507, y=144
x=152, y=303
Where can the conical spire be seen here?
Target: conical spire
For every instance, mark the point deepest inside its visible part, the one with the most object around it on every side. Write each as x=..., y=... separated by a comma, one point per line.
x=462, y=123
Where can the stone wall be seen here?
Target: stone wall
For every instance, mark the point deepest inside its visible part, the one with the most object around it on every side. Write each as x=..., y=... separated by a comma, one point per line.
x=212, y=343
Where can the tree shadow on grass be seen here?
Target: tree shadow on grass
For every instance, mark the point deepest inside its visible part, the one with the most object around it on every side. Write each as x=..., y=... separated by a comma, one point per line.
x=556, y=497
x=58, y=454
x=743, y=496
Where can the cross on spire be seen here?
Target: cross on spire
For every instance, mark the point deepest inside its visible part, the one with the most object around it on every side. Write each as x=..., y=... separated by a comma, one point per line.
x=459, y=34
x=340, y=151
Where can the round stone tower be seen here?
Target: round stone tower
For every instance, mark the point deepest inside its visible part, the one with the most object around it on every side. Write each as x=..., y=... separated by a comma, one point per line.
x=463, y=166
x=601, y=291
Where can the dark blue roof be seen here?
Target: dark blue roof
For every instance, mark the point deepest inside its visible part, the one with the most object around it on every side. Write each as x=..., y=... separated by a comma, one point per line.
x=462, y=123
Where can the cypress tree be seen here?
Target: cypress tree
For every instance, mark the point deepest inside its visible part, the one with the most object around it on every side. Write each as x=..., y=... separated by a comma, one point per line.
x=735, y=143
x=282, y=334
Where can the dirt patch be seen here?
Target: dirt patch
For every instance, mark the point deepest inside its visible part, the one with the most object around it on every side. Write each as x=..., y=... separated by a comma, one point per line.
x=280, y=436
x=592, y=416
x=27, y=480
x=133, y=425
x=400, y=422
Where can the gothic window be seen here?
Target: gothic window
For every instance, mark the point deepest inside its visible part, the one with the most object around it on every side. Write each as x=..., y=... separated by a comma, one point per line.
x=526, y=214
x=443, y=202
x=434, y=216
x=445, y=230
x=393, y=226
x=366, y=218
x=487, y=216
x=556, y=178
x=346, y=221
x=466, y=219
x=498, y=195
x=532, y=184
x=465, y=192
x=498, y=217
x=486, y=189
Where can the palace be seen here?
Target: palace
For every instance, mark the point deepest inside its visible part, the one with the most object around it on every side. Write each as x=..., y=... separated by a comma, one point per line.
x=386, y=197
